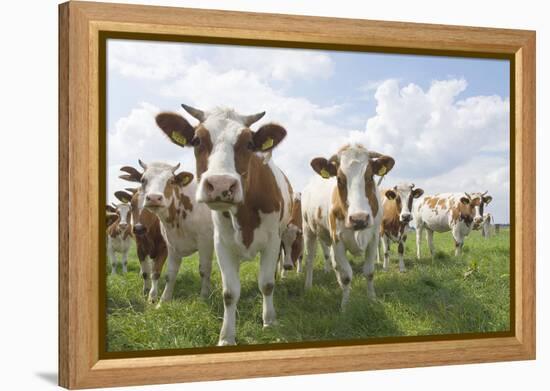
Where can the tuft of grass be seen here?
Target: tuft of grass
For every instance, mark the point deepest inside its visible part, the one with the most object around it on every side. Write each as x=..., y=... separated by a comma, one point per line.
x=445, y=295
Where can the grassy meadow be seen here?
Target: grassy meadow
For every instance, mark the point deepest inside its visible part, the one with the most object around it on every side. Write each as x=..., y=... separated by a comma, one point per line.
x=444, y=296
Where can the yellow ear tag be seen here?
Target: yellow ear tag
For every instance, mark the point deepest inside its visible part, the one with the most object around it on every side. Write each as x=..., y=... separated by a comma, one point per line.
x=325, y=174
x=178, y=138
x=382, y=171
x=267, y=144
x=186, y=180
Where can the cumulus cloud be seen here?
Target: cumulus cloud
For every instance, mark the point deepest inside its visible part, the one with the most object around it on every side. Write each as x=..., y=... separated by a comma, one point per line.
x=431, y=132
x=147, y=60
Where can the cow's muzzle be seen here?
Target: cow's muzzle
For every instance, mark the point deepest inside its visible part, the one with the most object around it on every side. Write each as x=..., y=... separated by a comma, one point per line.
x=358, y=221
x=220, y=192
x=140, y=229
x=405, y=218
x=154, y=200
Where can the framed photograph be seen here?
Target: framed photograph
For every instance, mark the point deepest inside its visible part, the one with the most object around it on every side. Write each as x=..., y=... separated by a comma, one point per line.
x=247, y=195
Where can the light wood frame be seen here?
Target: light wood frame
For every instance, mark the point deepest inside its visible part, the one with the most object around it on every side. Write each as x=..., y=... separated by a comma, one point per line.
x=80, y=365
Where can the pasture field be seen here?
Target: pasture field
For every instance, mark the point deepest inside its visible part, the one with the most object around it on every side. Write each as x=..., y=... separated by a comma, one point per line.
x=443, y=296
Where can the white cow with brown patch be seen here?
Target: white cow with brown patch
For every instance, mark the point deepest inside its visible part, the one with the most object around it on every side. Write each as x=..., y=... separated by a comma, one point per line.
x=119, y=233
x=248, y=194
x=455, y=212
x=397, y=205
x=342, y=209
x=186, y=225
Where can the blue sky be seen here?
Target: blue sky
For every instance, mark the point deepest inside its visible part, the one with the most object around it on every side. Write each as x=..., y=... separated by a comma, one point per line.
x=445, y=120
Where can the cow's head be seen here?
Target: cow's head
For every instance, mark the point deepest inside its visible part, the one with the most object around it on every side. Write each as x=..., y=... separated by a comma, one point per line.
x=480, y=200
x=143, y=220
x=404, y=194
x=224, y=144
x=159, y=184
x=122, y=210
x=292, y=236
x=464, y=210
x=354, y=168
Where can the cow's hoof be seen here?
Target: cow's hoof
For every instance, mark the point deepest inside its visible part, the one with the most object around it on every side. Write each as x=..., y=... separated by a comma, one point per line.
x=225, y=342
x=270, y=324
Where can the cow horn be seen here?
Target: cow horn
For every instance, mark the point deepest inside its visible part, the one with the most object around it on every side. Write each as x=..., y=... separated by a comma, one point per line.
x=250, y=119
x=195, y=113
x=374, y=155
x=412, y=185
x=467, y=195
x=175, y=168
x=143, y=165
x=486, y=191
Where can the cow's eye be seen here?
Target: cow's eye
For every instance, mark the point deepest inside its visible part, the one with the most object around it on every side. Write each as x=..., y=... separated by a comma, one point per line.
x=251, y=145
x=143, y=181
x=196, y=141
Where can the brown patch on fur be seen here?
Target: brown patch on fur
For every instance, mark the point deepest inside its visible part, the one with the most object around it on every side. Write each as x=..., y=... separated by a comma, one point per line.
x=151, y=244
x=319, y=213
x=337, y=212
x=260, y=192
x=203, y=149
x=370, y=190
x=462, y=212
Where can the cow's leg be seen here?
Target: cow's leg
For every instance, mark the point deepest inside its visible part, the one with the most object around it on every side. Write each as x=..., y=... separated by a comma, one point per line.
x=343, y=270
x=386, y=250
x=419, y=231
x=158, y=263
x=174, y=263
x=310, y=242
x=287, y=257
x=326, y=255
x=112, y=258
x=459, y=241
x=430, y=240
x=368, y=268
x=145, y=268
x=229, y=266
x=206, y=252
x=124, y=261
x=401, y=251
x=266, y=282
x=299, y=264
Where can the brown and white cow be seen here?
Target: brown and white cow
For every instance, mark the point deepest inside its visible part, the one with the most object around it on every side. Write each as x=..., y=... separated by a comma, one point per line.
x=249, y=196
x=292, y=239
x=186, y=226
x=150, y=243
x=342, y=208
x=455, y=212
x=119, y=233
x=397, y=205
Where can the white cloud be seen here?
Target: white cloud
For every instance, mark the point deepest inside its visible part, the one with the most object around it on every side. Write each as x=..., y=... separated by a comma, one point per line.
x=147, y=60
x=431, y=132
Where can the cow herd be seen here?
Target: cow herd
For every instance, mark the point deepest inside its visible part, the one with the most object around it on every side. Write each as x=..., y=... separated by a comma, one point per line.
x=239, y=204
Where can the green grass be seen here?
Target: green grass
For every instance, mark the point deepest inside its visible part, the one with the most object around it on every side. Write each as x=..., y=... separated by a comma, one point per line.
x=444, y=296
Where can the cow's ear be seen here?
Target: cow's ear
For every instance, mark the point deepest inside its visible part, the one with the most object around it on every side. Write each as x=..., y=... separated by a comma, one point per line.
x=487, y=199
x=268, y=137
x=110, y=209
x=390, y=195
x=122, y=196
x=178, y=130
x=323, y=167
x=465, y=200
x=133, y=174
x=183, y=178
x=417, y=192
x=382, y=165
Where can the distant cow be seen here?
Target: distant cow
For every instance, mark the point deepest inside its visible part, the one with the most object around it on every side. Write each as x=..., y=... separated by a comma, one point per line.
x=248, y=194
x=342, y=208
x=455, y=212
x=149, y=242
x=293, y=239
x=397, y=205
x=487, y=225
x=185, y=225
x=119, y=233
x=483, y=200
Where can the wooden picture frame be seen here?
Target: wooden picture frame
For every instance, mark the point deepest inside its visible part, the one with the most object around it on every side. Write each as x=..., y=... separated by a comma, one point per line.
x=81, y=364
